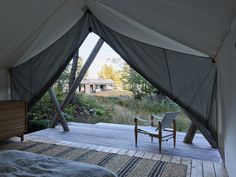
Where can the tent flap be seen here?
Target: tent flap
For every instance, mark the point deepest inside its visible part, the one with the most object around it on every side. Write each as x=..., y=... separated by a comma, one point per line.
x=30, y=80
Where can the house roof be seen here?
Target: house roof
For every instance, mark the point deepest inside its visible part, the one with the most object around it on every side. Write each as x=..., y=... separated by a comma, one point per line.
x=97, y=81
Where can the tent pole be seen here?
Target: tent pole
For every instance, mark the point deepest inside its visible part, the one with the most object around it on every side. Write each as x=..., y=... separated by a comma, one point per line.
x=188, y=139
x=73, y=69
x=203, y=130
x=58, y=109
x=73, y=75
x=79, y=78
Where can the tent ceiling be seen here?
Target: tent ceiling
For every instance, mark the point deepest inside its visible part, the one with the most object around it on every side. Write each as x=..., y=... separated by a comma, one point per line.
x=201, y=25
x=135, y=30
x=28, y=27
x=194, y=27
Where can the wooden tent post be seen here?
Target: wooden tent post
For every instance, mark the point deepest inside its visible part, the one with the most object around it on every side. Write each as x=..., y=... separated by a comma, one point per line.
x=188, y=139
x=73, y=69
x=203, y=130
x=58, y=109
x=79, y=78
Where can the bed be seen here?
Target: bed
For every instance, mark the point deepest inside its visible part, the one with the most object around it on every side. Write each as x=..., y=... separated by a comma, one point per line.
x=19, y=163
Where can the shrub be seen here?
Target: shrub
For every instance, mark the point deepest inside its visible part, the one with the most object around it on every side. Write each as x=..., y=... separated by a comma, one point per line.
x=36, y=125
x=116, y=109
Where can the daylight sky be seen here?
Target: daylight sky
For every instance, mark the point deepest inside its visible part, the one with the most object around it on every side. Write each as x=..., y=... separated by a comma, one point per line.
x=105, y=53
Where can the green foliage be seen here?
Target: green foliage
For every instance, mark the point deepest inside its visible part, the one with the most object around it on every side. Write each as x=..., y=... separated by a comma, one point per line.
x=107, y=109
x=36, y=125
x=87, y=101
x=42, y=110
x=91, y=102
x=146, y=106
x=70, y=109
x=182, y=122
x=63, y=81
x=134, y=82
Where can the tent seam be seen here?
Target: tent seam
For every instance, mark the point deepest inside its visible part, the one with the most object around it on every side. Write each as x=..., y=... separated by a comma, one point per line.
x=168, y=71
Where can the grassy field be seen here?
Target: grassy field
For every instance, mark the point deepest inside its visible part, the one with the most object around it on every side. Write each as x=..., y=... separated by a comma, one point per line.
x=114, y=93
x=120, y=107
x=110, y=107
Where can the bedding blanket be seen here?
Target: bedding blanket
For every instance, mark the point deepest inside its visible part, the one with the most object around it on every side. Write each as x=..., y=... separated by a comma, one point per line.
x=19, y=163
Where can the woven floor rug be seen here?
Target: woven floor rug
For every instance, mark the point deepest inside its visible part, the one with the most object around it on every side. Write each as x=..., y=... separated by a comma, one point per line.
x=122, y=165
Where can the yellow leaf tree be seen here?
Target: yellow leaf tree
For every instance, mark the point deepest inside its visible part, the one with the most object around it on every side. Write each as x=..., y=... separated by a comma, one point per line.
x=108, y=72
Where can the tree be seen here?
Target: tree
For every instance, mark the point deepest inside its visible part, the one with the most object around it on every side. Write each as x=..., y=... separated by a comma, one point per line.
x=73, y=69
x=62, y=82
x=108, y=72
x=66, y=79
x=76, y=67
x=133, y=81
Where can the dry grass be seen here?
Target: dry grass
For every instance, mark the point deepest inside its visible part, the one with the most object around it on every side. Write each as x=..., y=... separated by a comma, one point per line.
x=121, y=115
x=115, y=93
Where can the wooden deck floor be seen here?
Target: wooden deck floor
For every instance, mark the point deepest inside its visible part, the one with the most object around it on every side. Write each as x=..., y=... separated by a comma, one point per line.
x=201, y=159
x=122, y=136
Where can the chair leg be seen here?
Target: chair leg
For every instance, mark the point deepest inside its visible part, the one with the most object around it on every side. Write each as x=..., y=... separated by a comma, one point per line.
x=174, y=132
x=160, y=141
x=136, y=131
x=136, y=137
x=174, y=138
x=22, y=138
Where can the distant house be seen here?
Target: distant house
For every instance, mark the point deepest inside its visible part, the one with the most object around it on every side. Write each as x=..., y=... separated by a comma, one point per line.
x=96, y=85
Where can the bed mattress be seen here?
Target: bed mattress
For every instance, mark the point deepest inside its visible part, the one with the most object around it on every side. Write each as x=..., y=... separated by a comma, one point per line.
x=27, y=164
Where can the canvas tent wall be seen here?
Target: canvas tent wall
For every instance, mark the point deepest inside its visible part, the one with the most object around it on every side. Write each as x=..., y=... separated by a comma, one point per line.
x=227, y=98
x=175, y=31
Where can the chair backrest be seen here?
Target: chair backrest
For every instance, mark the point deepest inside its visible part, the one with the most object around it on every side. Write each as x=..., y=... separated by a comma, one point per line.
x=168, y=119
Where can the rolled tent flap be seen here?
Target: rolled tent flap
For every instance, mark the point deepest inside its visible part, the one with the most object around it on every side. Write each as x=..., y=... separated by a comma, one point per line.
x=30, y=80
x=188, y=80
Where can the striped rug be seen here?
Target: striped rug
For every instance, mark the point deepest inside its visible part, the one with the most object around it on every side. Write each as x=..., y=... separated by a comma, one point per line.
x=122, y=165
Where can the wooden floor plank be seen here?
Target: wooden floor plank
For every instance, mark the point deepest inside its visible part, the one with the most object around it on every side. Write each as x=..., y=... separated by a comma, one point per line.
x=208, y=169
x=106, y=135
x=166, y=158
x=139, y=154
x=115, y=150
x=188, y=163
x=199, y=168
x=100, y=148
x=176, y=159
x=123, y=152
x=131, y=153
x=157, y=157
x=107, y=149
x=103, y=137
x=148, y=155
x=93, y=147
x=194, y=169
x=220, y=170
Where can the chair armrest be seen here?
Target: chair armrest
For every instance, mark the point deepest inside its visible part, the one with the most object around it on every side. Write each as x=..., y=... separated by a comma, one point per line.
x=168, y=129
x=157, y=117
x=142, y=120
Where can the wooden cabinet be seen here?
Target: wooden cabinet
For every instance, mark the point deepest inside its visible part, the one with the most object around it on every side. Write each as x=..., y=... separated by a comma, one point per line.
x=12, y=119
